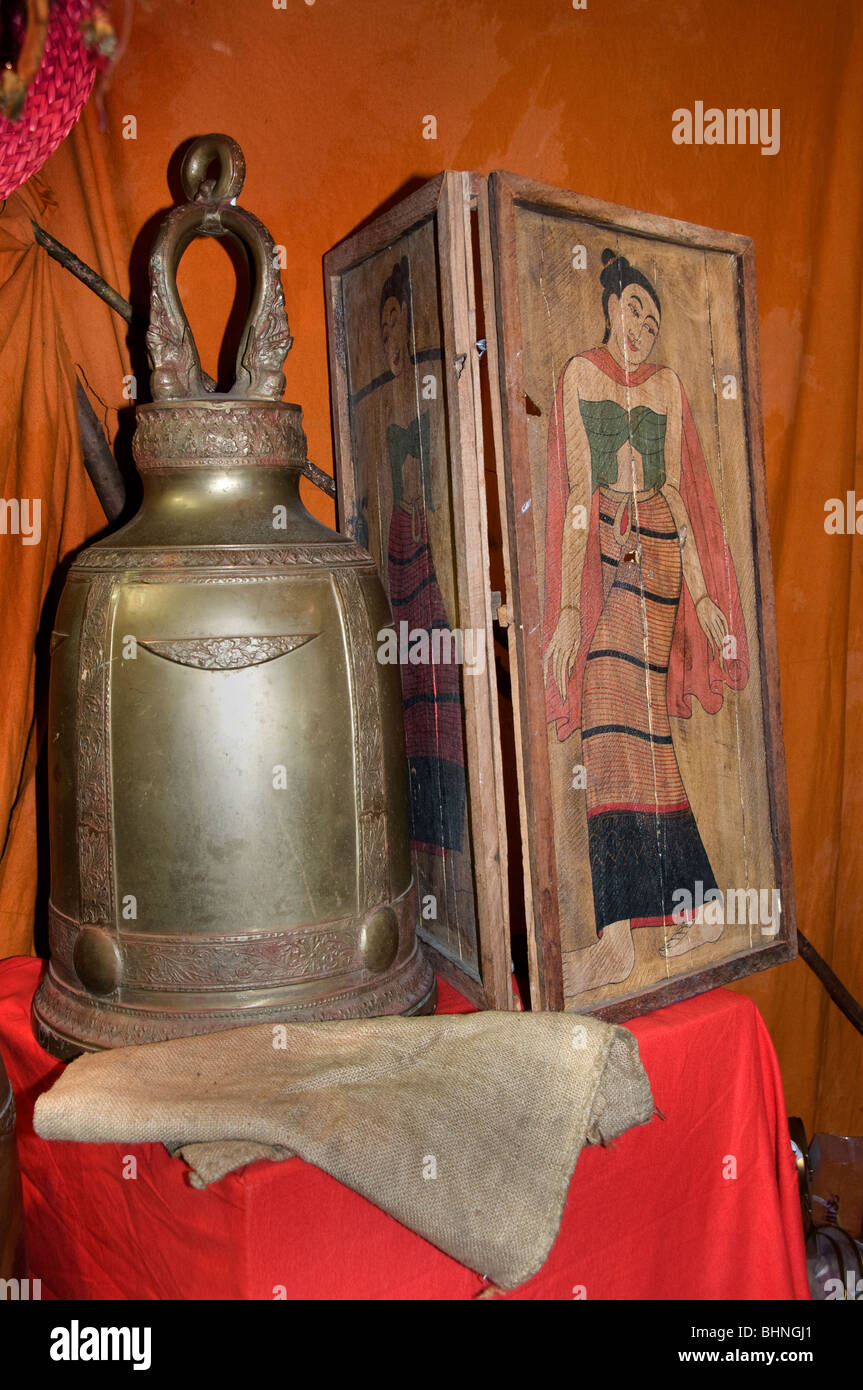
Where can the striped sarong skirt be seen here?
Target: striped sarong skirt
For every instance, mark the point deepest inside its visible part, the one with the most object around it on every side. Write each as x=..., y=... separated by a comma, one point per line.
x=431, y=693
x=643, y=839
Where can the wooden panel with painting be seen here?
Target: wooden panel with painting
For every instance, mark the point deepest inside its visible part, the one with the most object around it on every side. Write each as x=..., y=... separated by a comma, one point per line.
x=410, y=486
x=653, y=800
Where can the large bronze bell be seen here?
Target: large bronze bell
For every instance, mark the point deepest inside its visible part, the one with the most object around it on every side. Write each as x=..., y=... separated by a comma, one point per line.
x=229, y=837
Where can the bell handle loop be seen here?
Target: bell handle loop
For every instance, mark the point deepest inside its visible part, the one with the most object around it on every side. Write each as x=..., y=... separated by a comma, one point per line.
x=266, y=340
x=228, y=184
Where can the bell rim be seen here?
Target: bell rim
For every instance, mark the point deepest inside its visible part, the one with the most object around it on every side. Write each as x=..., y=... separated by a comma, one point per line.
x=64, y=1021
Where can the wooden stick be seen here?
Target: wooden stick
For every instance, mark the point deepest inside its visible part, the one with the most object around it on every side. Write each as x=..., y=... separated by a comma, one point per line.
x=842, y=997
x=99, y=461
x=89, y=277
x=319, y=478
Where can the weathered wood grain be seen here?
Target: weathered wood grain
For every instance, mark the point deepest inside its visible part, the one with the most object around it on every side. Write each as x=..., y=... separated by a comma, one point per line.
x=540, y=310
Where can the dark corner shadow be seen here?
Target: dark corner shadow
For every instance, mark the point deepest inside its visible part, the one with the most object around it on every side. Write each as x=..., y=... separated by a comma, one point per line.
x=405, y=189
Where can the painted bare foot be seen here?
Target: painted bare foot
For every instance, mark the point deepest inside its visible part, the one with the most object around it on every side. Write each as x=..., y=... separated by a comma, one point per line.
x=689, y=935
x=607, y=963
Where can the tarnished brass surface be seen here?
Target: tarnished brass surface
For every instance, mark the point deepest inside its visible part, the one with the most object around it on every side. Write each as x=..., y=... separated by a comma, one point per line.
x=228, y=810
x=11, y=1220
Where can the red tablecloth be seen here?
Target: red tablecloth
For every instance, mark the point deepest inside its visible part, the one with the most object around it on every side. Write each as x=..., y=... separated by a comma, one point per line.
x=701, y=1204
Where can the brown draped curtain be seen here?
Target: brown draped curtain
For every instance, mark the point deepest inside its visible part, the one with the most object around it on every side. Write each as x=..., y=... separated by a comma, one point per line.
x=50, y=328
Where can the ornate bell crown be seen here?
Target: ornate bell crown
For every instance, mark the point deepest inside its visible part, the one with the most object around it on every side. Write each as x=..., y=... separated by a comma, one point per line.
x=211, y=211
x=217, y=429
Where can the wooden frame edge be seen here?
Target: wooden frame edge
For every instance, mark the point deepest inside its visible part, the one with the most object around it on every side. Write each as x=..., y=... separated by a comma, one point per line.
x=647, y=224
x=711, y=977
x=439, y=199
x=507, y=387
x=777, y=783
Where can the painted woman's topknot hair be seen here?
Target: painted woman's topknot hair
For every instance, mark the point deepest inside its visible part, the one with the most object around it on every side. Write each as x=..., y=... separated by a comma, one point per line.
x=398, y=286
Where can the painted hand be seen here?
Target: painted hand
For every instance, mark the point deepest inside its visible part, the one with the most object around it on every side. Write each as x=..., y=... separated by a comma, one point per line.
x=713, y=624
x=562, y=650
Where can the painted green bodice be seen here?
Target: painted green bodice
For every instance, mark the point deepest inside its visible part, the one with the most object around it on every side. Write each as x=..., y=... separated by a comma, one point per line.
x=608, y=426
x=405, y=442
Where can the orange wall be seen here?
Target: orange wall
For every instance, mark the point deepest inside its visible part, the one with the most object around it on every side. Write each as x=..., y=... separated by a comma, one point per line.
x=327, y=100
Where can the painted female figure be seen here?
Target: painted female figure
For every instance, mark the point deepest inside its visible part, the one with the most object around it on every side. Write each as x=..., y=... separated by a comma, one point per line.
x=431, y=692
x=642, y=612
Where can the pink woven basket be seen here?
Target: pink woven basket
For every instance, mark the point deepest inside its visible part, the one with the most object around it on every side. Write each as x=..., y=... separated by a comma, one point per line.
x=55, y=98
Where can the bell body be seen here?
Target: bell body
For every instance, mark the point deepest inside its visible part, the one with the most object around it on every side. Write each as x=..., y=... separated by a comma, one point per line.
x=229, y=839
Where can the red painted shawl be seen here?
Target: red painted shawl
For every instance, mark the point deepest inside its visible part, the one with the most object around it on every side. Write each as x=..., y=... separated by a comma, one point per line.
x=692, y=669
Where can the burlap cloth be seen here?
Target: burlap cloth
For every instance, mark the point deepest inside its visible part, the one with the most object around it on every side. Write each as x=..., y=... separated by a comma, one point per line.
x=466, y=1128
